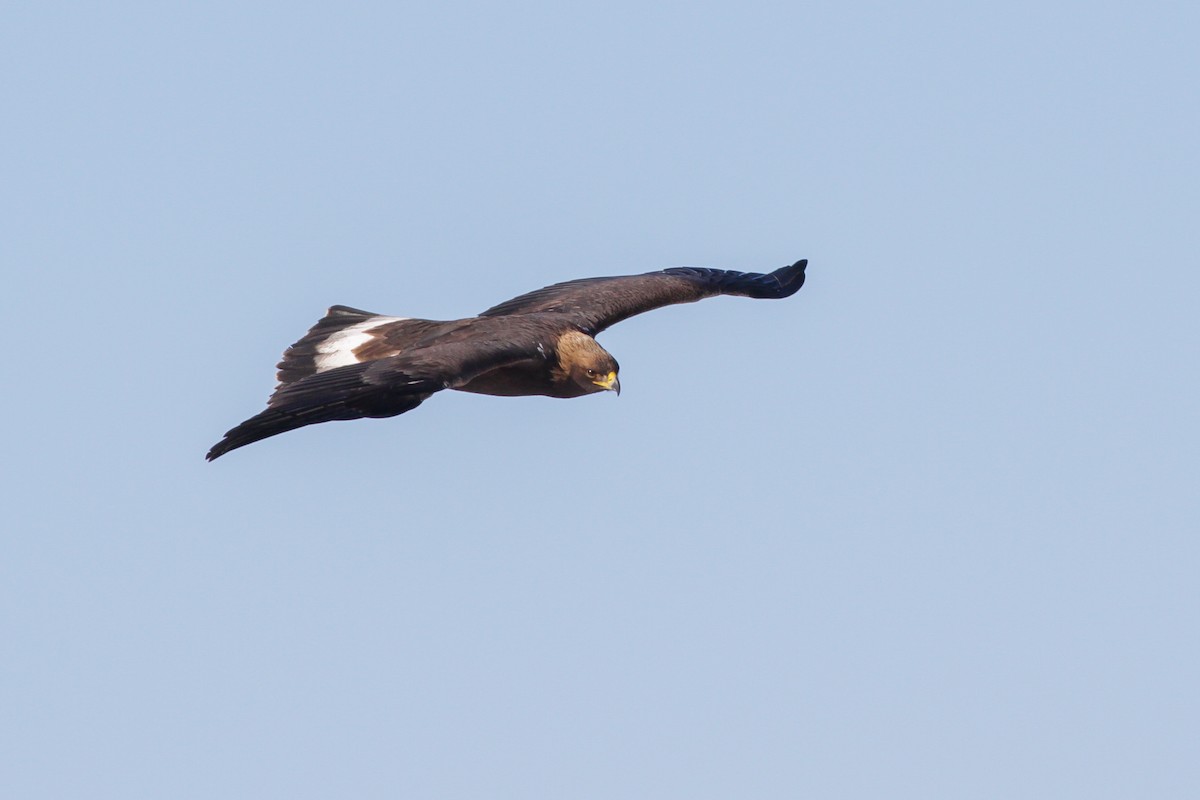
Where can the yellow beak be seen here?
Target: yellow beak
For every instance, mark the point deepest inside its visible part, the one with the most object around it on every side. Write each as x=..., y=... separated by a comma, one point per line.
x=610, y=383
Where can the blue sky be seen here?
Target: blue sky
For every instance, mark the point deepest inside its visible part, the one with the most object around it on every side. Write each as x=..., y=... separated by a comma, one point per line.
x=925, y=529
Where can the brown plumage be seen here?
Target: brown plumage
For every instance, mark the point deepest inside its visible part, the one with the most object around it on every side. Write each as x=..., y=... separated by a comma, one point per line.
x=355, y=364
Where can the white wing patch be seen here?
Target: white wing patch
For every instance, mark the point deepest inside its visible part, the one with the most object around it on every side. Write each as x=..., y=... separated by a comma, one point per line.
x=338, y=349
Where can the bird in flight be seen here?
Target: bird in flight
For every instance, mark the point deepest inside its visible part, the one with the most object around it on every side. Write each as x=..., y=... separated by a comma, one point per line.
x=355, y=364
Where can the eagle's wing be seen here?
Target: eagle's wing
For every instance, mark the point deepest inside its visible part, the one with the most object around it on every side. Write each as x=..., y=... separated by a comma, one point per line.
x=381, y=388
x=597, y=303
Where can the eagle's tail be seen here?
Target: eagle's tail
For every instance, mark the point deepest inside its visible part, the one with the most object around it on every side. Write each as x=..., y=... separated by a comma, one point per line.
x=329, y=343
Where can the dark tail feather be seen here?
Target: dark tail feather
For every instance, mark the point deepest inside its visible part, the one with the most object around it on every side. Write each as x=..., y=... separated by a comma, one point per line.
x=299, y=360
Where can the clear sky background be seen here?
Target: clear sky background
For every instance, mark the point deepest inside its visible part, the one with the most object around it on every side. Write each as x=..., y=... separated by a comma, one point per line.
x=926, y=529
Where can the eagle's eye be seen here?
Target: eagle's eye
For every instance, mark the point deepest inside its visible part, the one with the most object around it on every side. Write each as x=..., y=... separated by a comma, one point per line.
x=591, y=373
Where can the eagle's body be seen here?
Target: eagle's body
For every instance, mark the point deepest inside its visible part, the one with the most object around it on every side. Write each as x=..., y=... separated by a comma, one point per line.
x=355, y=364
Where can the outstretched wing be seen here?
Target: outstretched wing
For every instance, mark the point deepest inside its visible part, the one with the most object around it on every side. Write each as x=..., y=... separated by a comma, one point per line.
x=597, y=303
x=382, y=388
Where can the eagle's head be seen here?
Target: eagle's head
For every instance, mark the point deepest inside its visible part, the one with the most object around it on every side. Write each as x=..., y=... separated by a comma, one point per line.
x=598, y=376
x=588, y=365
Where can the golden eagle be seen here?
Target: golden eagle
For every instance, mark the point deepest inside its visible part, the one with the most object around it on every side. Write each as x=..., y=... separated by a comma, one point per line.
x=355, y=364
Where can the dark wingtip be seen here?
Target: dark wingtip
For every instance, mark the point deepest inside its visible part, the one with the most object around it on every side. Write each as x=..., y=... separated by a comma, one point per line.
x=258, y=427
x=790, y=278
x=217, y=450
x=794, y=269
x=783, y=282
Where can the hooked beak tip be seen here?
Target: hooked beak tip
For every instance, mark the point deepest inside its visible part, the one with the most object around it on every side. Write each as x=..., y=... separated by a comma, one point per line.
x=609, y=382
